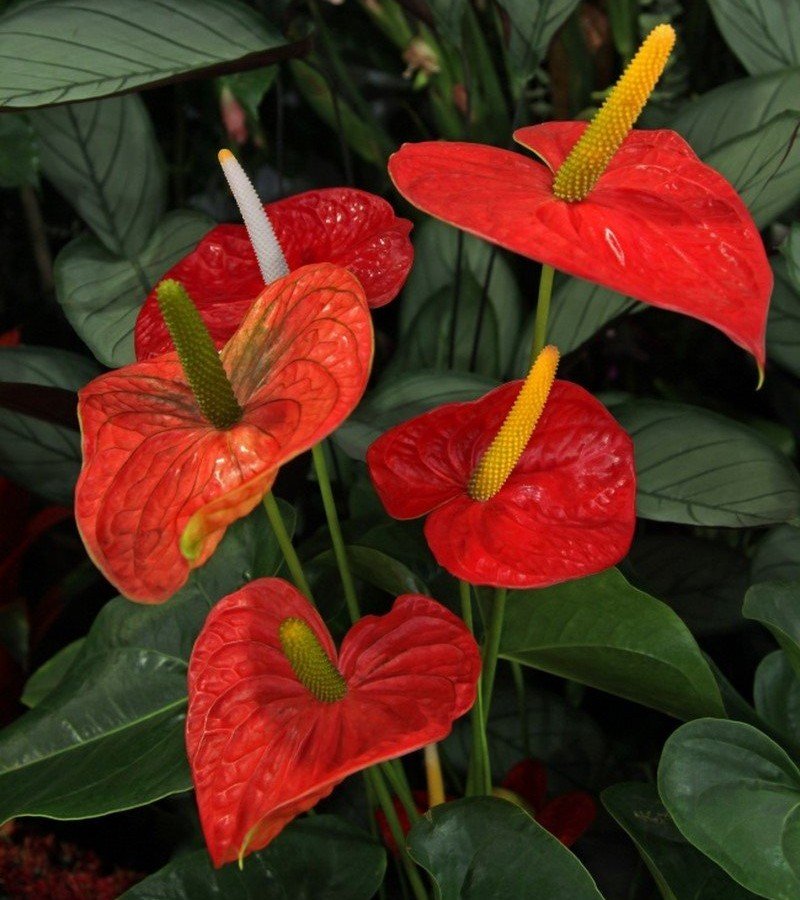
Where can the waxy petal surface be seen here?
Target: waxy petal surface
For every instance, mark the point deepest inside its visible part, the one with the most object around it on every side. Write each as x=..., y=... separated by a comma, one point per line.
x=351, y=228
x=659, y=225
x=157, y=476
x=566, y=511
x=263, y=748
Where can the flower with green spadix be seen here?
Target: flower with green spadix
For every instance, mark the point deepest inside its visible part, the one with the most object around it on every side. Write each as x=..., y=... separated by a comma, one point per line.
x=177, y=448
x=227, y=270
x=633, y=210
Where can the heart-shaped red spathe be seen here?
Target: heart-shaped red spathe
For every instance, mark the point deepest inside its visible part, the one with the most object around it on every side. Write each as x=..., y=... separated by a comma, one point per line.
x=157, y=475
x=659, y=225
x=566, y=511
x=351, y=228
x=264, y=749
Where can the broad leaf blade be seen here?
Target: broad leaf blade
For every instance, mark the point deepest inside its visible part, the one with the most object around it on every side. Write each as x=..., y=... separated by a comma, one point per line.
x=532, y=26
x=775, y=605
x=68, y=50
x=603, y=632
x=698, y=468
x=764, y=34
x=485, y=847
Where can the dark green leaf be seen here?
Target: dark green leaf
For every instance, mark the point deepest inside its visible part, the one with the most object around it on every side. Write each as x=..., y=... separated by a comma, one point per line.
x=448, y=15
x=19, y=155
x=703, y=581
x=783, y=325
x=764, y=166
x=103, y=157
x=42, y=457
x=603, y=632
x=735, y=795
x=380, y=570
x=776, y=693
x=396, y=399
x=777, y=557
x=250, y=88
x=484, y=847
x=322, y=858
x=110, y=735
x=680, y=871
x=48, y=676
x=101, y=293
x=737, y=108
x=67, y=50
x=775, y=605
x=764, y=34
x=699, y=468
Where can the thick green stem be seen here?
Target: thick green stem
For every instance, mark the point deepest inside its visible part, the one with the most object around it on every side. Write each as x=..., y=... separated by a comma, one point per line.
x=542, y=311
x=285, y=543
x=385, y=800
x=339, y=549
x=492, y=647
x=396, y=776
x=479, y=777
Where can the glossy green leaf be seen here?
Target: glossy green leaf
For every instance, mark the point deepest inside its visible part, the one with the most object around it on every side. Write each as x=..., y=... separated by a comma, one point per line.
x=764, y=166
x=110, y=735
x=680, y=871
x=703, y=581
x=783, y=324
x=101, y=294
x=402, y=397
x=697, y=467
x=735, y=795
x=737, y=108
x=104, y=158
x=776, y=604
x=42, y=457
x=532, y=24
x=67, y=50
x=426, y=311
x=484, y=847
x=19, y=154
x=603, y=632
x=776, y=694
x=777, y=556
x=321, y=858
x=48, y=676
x=764, y=34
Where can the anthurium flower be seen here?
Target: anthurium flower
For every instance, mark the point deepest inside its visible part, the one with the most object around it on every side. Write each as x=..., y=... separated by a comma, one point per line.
x=178, y=447
x=530, y=485
x=224, y=273
x=635, y=211
x=277, y=718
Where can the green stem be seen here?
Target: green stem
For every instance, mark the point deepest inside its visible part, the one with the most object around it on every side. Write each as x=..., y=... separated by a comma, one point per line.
x=393, y=822
x=285, y=543
x=542, y=311
x=339, y=549
x=492, y=647
x=479, y=777
x=522, y=705
x=399, y=783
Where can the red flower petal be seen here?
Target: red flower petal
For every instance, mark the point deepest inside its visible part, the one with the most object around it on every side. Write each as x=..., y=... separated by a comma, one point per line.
x=567, y=817
x=155, y=472
x=263, y=749
x=354, y=229
x=659, y=225
x=528, y=780
x=566, y=511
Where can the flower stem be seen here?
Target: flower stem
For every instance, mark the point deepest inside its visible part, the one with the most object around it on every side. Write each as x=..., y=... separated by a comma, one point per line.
x=479, y=777
x=339, y=549
x=285, y=543
x=395, y=828
x=542, y=311
x=396, y=776
x=492, y=647
x=433, y=775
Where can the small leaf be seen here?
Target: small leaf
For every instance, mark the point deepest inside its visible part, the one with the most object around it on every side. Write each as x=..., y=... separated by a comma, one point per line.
x=19, y=156
x=735, y=795
x=114, y=46
x=104, y=158
x=776, y=693
x=378, y=569
x=775, y=605
x=484, y=847
x=777, y=556
x=42, y=457
x=603, y=632
x=101, y=294
x=698, y=468
x=764, y=34
x=323, y=858
x=48, y=676
x=679, y=870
